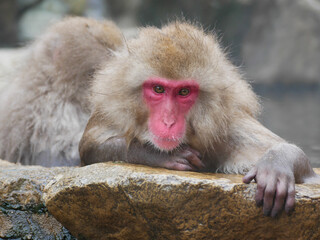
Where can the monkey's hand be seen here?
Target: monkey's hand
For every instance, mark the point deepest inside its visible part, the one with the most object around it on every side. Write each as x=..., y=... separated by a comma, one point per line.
x=185, y=159
x=275, y=176
x=275, y=187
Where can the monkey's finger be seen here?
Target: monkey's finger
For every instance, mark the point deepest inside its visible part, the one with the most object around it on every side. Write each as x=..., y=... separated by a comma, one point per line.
x=290, y=201
x=269, y=195
x=179, y=164
x=279, y=201
x=193, y=159
x=250, y=175
x=261, y=186
x=198, y=154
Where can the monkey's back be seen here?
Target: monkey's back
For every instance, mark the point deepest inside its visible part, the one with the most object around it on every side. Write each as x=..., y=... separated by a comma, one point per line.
x=44, y=109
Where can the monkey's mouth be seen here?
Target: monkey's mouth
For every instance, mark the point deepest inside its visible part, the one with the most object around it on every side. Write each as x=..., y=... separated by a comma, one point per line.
x=166, y=143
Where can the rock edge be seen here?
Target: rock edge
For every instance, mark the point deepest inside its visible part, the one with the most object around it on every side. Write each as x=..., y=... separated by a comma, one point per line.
x=123, y=201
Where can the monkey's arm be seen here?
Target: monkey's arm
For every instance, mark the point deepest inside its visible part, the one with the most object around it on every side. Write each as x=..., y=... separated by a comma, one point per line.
x=100, y=144
x=275, y=165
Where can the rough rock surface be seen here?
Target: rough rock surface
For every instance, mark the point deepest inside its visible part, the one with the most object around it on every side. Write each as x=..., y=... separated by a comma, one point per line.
x=122, y=201
x=23, y=214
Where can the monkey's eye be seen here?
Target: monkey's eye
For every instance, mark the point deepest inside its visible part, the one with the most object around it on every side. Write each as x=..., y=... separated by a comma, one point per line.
x=158, y=89
x=184, y=92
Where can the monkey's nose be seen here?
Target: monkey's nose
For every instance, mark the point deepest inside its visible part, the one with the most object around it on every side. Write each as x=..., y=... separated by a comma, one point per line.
x=169, y=122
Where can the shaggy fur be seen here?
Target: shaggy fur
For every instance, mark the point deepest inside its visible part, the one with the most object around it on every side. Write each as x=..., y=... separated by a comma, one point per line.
x=44, y=110
x=177, y=51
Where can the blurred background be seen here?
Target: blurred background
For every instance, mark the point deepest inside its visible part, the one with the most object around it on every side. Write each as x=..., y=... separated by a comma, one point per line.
x=275, y=42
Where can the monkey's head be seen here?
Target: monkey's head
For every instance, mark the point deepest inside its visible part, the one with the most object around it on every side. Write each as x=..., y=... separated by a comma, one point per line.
x=169, y=87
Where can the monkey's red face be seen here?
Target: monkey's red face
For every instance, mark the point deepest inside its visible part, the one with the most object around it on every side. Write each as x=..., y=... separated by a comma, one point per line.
x=169, y=102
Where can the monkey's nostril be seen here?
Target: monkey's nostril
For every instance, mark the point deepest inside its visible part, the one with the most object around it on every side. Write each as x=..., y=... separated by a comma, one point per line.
x=169, y=123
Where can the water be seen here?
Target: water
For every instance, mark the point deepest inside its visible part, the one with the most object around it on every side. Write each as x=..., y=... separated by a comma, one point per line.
x=294, y=114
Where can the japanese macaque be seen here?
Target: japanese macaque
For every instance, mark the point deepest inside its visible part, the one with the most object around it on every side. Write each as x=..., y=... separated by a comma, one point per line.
x=168, y=98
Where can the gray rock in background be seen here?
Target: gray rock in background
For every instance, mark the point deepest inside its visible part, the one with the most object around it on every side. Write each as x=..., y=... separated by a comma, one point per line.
x=95, y=9
x=36, y=19
x=283, y=42
x=125, y=13
x=8, y=23
x=275, y=41
x=229, y=18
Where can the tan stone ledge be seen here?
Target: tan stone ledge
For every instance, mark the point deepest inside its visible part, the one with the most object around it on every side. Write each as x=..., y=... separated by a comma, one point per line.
x=123, y=201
